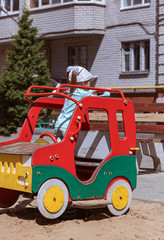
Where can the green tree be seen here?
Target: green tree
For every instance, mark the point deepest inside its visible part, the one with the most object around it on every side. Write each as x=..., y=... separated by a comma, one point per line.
x=26, y=66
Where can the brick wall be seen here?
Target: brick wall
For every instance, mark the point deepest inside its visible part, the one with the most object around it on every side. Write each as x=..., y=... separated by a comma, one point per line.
x=7, y=28
x=104, y=52
x=70, y=25
x=70, y=18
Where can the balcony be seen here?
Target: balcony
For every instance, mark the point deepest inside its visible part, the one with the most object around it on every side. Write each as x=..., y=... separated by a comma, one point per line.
x=56, y=18
x=69, y=18
x=13, y=6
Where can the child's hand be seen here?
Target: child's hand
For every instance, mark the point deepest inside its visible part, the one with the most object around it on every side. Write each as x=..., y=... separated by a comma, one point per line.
x=95, y=92
x=100, y=92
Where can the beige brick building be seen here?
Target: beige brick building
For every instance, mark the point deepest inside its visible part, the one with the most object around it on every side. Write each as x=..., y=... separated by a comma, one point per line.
x=120, y=41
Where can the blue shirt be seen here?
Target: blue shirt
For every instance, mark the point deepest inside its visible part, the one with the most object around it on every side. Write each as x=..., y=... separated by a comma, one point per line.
x=69, y=106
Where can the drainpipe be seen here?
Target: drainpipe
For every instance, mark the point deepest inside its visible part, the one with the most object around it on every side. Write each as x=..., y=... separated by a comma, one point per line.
x=157, y=43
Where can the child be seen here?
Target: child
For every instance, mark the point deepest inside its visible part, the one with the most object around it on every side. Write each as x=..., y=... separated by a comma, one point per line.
x=76, y=75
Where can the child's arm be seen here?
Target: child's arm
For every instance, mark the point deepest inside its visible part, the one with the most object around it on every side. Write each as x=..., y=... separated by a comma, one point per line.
x=101, y=94
x=94, y=93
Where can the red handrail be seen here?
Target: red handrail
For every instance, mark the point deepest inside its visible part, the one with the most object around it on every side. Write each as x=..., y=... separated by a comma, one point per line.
x=60, y=87
x=78, y=123
x=93, y=88
x=28, y=94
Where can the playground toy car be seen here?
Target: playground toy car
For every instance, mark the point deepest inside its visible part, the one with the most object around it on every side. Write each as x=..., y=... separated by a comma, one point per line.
x=93, y=166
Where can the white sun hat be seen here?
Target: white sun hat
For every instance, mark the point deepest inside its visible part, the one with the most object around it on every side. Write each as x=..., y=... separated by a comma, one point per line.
x=82, y=74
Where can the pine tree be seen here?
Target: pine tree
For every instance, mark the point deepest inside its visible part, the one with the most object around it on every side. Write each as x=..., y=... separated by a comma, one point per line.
x=27, y=66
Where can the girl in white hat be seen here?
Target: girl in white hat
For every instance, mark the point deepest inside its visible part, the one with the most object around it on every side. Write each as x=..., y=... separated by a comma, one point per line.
x=76, y=75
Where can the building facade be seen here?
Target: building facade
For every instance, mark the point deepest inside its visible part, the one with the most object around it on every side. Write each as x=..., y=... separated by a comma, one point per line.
x=120, y=41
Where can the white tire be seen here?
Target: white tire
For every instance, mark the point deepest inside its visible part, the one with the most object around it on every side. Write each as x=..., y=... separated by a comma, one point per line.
x=120, y=193
x=52, y=198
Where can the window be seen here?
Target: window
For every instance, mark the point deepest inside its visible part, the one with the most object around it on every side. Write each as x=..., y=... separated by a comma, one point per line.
x=34, y=3
x=39, y=3
x=77, y=56
x=120, y=124
x=135, y=3
x=48, y=3
x=93, y=143
x=45, y=2
x=9, y=6
x=135, y=56
x=55, y=1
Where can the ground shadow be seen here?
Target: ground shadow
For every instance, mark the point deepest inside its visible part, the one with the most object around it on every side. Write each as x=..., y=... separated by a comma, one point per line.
x=26, y=210
x=143, y=171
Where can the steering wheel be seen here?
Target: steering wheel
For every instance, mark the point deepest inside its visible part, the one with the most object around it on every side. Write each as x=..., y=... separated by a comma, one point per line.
x=49, y=135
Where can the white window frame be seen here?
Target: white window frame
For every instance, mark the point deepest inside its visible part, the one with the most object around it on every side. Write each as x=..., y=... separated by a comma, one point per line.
x=131, y=54
x=63, y=2
x=2, y=13
x=40, y=5
x=132, y=5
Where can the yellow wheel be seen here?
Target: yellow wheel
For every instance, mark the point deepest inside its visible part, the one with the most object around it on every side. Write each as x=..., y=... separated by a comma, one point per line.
x=120, y=193
x=52, y=199
x=120, y=197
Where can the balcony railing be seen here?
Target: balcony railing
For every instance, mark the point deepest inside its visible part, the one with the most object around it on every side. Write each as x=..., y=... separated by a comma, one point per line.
x=12, y=6
x=9, y=7
x=39, y=4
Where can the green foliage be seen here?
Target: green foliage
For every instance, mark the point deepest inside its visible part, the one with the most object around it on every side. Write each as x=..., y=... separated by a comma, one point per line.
x=27, y=66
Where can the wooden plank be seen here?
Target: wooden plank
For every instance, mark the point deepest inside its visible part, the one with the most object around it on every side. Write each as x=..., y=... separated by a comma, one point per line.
x=149, y=107
x=139, y=117
x=149, y=117
x=138, y=107
x=140, y=128
x=148, y=140
x=101, y=116
x=144, y=128
x=99, y=126
x=156, y=129
x=21, y=148
x=98, y=116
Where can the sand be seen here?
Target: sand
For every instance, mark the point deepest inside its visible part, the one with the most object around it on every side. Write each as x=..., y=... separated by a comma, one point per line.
x=144, y=221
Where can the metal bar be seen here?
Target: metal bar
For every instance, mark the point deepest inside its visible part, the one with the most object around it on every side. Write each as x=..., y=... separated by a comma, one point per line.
x=60, y=87
x=91, y=203
x=140, y=87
